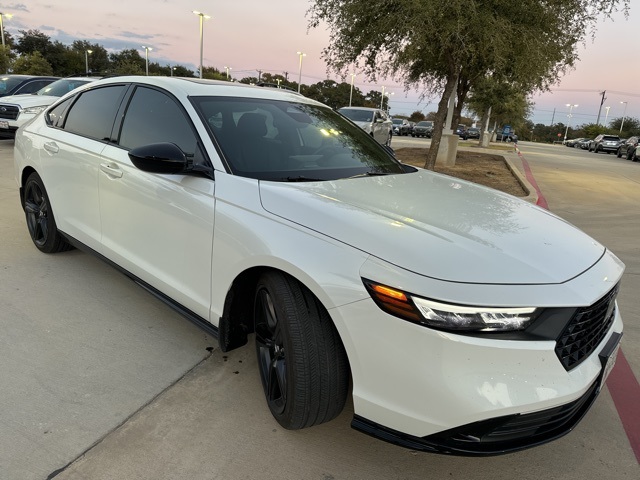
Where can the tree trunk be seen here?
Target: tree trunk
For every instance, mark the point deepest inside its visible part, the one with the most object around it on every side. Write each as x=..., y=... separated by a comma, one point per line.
x=439, y=121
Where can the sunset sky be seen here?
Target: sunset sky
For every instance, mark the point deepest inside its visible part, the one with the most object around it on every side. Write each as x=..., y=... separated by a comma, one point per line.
x=248, y=35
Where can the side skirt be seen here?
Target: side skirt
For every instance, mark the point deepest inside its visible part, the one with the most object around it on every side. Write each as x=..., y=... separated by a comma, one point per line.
x=194, y=318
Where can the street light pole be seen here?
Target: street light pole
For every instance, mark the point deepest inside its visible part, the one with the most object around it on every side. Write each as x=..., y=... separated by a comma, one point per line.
x=568, y=122
x=86, y=60
x=227, y=69
x=353, y=75
x=203, y=16
x=146, y=58
x=624, y=115
x=606, y=116
x=300, y=54
x=8, y=15
x=382, y=98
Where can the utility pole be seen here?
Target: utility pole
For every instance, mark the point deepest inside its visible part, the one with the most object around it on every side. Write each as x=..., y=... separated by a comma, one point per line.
x=553, y=117
x=259, y=75
x=600, y=109
x=286, y=76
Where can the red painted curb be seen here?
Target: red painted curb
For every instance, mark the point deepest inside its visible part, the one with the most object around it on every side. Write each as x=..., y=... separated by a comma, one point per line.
x=622, y=383
x=542, y=202
x=625, y=391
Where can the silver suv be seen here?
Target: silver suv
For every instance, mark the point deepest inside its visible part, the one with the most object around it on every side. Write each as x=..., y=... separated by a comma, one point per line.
x=605, y=143
x=16, y=110
x=372, y=120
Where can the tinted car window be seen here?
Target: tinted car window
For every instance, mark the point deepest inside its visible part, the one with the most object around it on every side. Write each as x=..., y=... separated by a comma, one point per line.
x=60, y=87
x=289, y=141
x=32, y=87
x=55, y=116
x=92, y=115
x=154, y=117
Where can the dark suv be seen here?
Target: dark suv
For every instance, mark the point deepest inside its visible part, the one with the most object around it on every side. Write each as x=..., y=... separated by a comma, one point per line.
x=423, y=129
x=605, y=143
x=22, y=84
x=628, y=148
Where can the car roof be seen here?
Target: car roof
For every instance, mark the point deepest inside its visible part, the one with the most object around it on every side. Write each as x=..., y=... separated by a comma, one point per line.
x=205, y=87
x=359, y=108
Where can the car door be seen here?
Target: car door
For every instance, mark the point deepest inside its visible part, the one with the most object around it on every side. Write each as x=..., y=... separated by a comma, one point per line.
x=159, y=227
x=73, y=138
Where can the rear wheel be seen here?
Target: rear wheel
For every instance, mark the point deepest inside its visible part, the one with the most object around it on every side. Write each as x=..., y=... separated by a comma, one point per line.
x=619, y=153
x=302, y=363
x=40, y=221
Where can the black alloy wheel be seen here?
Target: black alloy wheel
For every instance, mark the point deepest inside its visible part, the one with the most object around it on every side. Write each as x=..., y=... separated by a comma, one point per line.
x=40, y=221
x=302, y=363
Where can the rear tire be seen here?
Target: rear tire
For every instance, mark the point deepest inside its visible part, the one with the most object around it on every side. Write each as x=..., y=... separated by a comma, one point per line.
x=303, y=365
x=619, y=153
x=40, y=220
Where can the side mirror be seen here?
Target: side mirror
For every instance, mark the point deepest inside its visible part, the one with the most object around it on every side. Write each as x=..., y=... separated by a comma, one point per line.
x=166, y=158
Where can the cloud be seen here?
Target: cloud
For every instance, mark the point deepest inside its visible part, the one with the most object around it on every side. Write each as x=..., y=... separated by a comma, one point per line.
x=136, y=35
x=17, y=7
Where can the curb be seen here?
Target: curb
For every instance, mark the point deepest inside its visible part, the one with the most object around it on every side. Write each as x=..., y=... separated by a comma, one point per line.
x=532, y=196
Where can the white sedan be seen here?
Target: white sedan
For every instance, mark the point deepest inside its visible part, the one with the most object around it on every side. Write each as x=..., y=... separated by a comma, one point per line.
x=466, y=320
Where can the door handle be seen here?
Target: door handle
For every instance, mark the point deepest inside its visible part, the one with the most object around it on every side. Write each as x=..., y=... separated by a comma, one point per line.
x=111, y=170
x=51, y=147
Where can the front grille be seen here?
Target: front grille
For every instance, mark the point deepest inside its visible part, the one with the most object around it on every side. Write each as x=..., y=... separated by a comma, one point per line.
x=10, y=112
x=586, y=330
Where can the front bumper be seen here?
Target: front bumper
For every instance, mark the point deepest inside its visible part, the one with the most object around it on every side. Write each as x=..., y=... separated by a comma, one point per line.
x=504, y=434
x=454, y=393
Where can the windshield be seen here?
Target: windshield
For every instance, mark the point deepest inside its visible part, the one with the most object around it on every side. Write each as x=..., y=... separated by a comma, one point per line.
x=357, y=115
x=424, y=124
x=290, y=141
x=8, y=83
x=62, y=86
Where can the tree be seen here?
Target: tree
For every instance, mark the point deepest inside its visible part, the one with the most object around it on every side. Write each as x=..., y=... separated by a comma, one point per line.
x=5, y=59
x=417, y=116
x=127, y=62
x=98, y=59
x=32, y=64
x=33, y=41
x=630, y=127
x=448, y=45
x=334, y=94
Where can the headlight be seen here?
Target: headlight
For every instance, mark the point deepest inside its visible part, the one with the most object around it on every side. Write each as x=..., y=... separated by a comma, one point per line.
x=34, y=110
x=444, y=316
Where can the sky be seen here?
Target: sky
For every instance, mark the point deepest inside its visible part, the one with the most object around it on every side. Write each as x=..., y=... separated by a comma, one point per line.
x=252, y=35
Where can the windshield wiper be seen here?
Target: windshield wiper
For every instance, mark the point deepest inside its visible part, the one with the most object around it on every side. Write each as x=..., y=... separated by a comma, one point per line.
x=301, y=179
x=369, y=174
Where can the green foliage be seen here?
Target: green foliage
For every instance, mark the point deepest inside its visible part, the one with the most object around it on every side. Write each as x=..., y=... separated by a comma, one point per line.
x=5, y=59
x=334, y=94
x=32, y=64
x=128, y=66
x=417, y=116
x=630, y=127
x=31, y=41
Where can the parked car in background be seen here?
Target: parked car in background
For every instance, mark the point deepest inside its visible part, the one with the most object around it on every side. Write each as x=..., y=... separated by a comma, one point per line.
x=584, y=144
x=573, y=142
x=23, y=84
x=635, y=155
x=499, y=338
x=16, y=110
x=628, y=148
x=471, y=132
x=401, y=127
x=423, y=129
x=374, y=121
x=605, y=143
x=460, y=129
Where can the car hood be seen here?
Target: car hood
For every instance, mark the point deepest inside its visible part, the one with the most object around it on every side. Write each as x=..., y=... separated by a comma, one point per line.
x=26, y=101
x=440, y=227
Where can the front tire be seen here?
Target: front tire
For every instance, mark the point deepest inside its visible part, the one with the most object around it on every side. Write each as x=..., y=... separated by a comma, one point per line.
x=40, y=220
x=302, y=363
